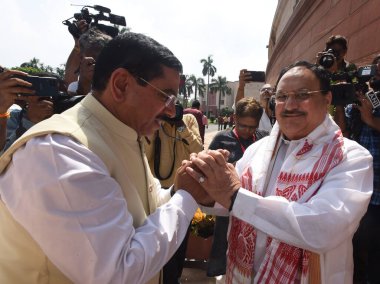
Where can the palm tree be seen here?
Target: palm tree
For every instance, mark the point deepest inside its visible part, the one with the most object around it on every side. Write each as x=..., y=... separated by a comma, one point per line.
x=186, y=89
x=33, y=63
x=220, y=85
x=198, y=84
x=209, y=70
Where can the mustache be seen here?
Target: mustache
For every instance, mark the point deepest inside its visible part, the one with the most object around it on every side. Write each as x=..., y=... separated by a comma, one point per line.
x=292, y=113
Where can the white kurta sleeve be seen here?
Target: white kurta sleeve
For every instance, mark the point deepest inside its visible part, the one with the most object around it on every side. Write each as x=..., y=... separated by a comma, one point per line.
x=327, y=218
x=62, y=194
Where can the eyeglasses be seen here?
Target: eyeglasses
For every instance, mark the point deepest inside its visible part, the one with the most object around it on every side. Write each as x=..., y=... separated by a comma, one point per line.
x=169, y=99
x=246, y=127
x=299, y=97
x=269, y=90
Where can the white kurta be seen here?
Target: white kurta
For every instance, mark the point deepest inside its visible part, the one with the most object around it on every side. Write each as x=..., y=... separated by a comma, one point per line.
x=326, y=223
x=113, y=252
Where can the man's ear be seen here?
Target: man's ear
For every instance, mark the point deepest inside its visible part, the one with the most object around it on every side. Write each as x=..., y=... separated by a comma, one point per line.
x=119, y=83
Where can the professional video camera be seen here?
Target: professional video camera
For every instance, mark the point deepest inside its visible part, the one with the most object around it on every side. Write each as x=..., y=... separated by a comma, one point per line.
x=345, y=84
x=93, y=20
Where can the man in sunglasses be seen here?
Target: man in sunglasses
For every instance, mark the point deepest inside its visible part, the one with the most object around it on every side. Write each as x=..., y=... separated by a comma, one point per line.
x=78, y=201
x=296, y=196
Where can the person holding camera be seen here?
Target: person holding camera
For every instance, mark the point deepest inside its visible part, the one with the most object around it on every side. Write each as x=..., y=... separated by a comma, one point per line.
x=248, y=113
x=296, y=197
x=78, y=201
x=80, y=69
x=364, y=127
x=34, y=110
x=10, y=89
x=266, y=92
x=333, y=60
x=172, y=143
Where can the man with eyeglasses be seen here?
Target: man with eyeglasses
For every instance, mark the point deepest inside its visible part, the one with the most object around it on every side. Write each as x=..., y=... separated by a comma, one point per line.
x=248, y=113
x=78, y=201
x=266, y=93
x=297, y=195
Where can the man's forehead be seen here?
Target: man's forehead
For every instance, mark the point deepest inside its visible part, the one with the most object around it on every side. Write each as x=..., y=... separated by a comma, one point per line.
x=299, y=72
x=266, y=86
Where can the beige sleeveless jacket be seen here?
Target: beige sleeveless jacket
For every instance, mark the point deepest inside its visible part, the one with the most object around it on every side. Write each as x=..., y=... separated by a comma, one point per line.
x=117, y=145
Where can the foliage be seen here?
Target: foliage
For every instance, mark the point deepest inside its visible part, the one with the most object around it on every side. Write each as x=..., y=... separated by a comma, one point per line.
x=35, y=66
x=220, y=85
x=198, y=84
x=202, y=224
x=186, y=90
x=226, y=111
x=208, y=69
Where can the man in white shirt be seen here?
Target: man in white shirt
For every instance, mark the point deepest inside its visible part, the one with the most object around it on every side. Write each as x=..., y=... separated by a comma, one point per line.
x=78, y=201
x=265, y=123
x=297, y=196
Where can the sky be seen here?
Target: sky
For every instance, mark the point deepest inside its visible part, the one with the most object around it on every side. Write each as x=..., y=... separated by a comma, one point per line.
x=235, y=33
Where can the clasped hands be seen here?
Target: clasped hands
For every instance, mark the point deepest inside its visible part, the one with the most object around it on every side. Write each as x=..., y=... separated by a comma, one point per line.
x=208, y=177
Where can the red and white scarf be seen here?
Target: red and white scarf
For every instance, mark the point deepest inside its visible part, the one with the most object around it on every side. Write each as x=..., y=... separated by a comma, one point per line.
x=301, y=175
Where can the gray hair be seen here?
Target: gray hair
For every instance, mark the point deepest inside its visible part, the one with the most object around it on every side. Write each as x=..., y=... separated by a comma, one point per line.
x=93, y=40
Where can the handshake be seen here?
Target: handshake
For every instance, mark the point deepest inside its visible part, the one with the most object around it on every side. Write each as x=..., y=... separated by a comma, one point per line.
x=208, y=177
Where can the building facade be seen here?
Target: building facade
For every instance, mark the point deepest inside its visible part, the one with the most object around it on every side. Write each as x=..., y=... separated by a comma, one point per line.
x=300, y=29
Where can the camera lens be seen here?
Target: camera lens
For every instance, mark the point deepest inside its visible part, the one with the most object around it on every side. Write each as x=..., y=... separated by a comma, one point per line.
x=327, y=60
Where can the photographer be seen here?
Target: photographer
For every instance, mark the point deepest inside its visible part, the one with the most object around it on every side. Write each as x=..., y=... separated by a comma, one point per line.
x=74, y=58
x=364, y=127
x=266, y=92
x=10, y=88
x=90, y=44
x=333, y=60
x=172, y=143
x=34, y=109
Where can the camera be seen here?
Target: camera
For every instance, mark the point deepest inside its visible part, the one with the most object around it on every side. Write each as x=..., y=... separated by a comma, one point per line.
x=49, y=88
x=93, y=20
x=328, y=58
x=256, y=76
x=178, y=114
x=43, y=86
x=345, y=84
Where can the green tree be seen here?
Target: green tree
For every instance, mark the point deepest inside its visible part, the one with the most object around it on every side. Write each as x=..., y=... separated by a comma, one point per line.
x=186, y=90
x=208, y=69
x=198, y=84
x=220, y=85
x=36, y=66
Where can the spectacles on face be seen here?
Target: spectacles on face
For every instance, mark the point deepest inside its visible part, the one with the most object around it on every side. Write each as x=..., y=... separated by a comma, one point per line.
x=244, y=127
x=299, y=97
x=169, y=99
x=269, y=90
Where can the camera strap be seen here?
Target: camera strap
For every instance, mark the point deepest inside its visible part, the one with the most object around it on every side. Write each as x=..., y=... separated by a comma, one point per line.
x=157, y=157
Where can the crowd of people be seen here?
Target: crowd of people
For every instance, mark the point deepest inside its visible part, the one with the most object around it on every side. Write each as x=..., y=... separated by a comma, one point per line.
x=111, y=181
